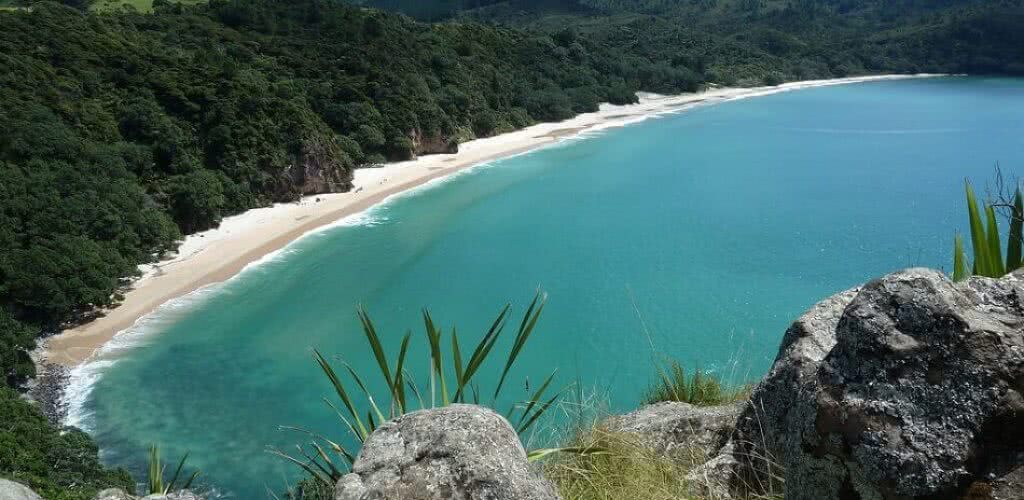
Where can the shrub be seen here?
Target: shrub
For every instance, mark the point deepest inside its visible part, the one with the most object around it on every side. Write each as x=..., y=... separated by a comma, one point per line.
x=614, y=466
x=701, y=388
x=59, y=464
x=451, y=381
x=985, y=240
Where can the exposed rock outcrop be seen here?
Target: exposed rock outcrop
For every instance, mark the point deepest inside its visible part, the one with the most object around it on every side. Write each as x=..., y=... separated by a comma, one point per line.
x=682, y=431
x=10, y=490
x=459, y=452
x=118, y=494
x=321, y=168
x=428, y=144
x=910, y=387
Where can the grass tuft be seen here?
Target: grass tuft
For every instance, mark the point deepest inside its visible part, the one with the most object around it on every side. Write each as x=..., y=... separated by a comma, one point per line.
x=700, y=389
x=620, y=468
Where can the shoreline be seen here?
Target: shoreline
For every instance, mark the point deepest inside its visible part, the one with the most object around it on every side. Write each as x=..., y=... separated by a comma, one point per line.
x=216, y=255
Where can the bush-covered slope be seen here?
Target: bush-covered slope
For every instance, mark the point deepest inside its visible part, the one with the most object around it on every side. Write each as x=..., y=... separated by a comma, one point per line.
x=125, y=130
x=57, y=465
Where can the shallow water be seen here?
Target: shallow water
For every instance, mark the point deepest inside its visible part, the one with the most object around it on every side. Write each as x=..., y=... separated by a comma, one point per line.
x=698, y=236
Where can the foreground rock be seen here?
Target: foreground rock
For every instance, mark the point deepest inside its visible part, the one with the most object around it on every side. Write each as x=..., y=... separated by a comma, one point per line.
x=10, y=490
x=910, y=387
x=680, y=430
x=118, y=494
x=458, y=452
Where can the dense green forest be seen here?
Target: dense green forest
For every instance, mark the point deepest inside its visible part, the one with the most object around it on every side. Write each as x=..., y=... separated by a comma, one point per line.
x=124, y=130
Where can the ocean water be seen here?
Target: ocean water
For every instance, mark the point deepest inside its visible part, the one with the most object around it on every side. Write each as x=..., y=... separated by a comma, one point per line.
x=698, y=236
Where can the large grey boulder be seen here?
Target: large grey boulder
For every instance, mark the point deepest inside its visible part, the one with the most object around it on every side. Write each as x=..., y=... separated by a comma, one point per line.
x=910, y=387
x=119, y=494
x=113, y=494
x=460, y=452
x=679, y=430
x=10, y=490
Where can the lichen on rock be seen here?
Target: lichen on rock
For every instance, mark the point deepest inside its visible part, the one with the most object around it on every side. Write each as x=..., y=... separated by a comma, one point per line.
x=456, y=452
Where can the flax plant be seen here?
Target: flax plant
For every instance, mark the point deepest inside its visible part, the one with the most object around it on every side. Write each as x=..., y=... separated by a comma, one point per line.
x=985, y=240
x=155, y=484
x=451, y=380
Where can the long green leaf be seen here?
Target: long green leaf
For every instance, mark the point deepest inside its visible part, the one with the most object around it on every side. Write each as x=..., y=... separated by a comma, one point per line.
x=369, y=397
x=979, y=240
x=537, y=413
x=456, y=355
x=482, y=350
x=959, y=259
x=536, y=397
x=177, y=472
x=1013, y=245
x=995, y=257
x=156, y=471
x=339, y=389
x=525, y=328
x=398, y=390
x=376, y=346
x=434, y=339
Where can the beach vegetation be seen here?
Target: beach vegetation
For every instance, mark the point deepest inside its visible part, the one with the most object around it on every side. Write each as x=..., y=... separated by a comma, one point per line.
x=452, y=379
x=155, y=482
x=57, y=463
x=621, y=466
x=985, y=239
x=698, y=388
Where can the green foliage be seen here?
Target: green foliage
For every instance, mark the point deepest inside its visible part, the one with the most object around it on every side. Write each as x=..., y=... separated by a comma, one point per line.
x=614, y=466
x=16, y=342
x=59, y=464
x=985, y=240
x=156, y=485
x=700, y=388
x=405, y=395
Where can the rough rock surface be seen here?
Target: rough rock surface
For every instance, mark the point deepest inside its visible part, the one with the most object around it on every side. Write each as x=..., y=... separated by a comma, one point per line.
x=426, y=144
x=10, y=490
x=118, y=494
x=320, y=169
x=910, y=387
x=680, y=430
x=459, y=452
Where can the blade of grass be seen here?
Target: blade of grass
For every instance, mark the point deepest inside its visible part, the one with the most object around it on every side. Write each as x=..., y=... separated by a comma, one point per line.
x=177, y=472
x=481, y=351
x=525, y=329
x=398, y=391
x=1013, y=244
x=434, y=339
x=339, y=389
x=979, y=241
x=375, y=345
x=959, y=259
x=535, y=398
x=995, y=253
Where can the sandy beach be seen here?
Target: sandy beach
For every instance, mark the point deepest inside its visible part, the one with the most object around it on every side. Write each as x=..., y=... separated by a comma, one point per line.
x=216, y=255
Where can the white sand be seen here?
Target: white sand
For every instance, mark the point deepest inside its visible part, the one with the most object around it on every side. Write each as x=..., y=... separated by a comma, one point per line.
x=218, y=254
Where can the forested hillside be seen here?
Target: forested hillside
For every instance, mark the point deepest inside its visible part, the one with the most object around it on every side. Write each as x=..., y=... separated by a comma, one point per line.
x=125, y=131
x=747, y=41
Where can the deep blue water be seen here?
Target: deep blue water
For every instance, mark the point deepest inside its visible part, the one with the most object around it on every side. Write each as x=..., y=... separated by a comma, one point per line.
x=709, y=230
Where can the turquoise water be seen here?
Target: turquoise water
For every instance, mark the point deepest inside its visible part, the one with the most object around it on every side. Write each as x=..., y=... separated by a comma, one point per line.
x=711, y=230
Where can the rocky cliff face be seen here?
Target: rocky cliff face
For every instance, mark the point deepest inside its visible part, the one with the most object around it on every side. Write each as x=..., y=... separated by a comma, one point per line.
x=909, y=387
x=320, y=168
x=428, y=144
